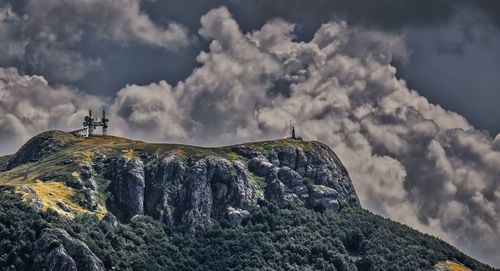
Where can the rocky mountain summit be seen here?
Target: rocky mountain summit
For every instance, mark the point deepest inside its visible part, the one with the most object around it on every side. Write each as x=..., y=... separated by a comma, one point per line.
x=107, y=202
x=185, y=187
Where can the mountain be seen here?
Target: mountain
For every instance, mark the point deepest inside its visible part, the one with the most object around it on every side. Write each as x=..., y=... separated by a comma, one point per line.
x=104, y=202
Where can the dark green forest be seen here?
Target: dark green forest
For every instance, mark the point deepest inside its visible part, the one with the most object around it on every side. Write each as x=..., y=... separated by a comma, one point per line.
x=295, y=238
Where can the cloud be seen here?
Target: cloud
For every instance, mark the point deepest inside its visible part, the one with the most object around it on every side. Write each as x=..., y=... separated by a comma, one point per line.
x=28, y=105
x=143, y=113
x=113, y=20
x=62, y=65
x=50, y=34
x=11, y=47
x=410, y=160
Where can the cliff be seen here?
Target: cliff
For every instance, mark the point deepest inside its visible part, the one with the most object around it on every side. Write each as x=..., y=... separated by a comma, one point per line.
x=185, y=187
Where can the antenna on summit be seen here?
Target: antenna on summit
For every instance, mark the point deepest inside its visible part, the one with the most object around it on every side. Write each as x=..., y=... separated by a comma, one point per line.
x=104, y=123
x=293, y=134
x=90, y=124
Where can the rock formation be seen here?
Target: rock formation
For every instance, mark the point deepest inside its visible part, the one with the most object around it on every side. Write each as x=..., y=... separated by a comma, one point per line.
x=188, y=187
x=188, y=192
x=56, y=250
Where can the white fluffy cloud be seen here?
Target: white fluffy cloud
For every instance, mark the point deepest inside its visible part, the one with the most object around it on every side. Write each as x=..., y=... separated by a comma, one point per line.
x=410, y=160
x=143, y=113
x=28, y=104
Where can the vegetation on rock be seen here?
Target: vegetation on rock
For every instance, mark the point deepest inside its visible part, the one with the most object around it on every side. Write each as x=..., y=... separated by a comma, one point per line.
x=69, y=203
x=271, y=238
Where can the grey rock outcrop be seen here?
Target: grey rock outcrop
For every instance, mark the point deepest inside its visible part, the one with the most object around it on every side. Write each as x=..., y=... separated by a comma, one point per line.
x=180, y=192
x=296, y=175
x=57, y=250
x=89, y=200
x=260, y=165
x=128, y=183
x=188, y=192
x=236, y=216
x=324, y=197
x=58, y=259
x=111, y=219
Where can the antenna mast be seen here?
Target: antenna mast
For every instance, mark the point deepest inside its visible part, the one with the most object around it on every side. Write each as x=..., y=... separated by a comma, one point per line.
x=90, y=124
x=293, y=133
x=104, y=123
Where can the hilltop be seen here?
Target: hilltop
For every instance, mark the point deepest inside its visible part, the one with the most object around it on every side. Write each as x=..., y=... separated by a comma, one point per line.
x=109, y=202
x=140, y=176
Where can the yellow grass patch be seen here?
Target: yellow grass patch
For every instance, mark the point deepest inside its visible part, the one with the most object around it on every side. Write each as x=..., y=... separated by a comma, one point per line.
x=49, y=193
x=180, y=151
x=87, y=157
x=301, y=146
x=450, y=266
x=233, y=156
x=128, y=153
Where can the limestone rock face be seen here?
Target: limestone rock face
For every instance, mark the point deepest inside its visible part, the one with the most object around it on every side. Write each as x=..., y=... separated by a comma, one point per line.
x=128, y=183
x=188, y=192
x=111, y=219
x=293, y=173
x=236, y=216
x=57, y=250
x=179, y=191
x=324, y=197
x=58, y=259
x=187, y=187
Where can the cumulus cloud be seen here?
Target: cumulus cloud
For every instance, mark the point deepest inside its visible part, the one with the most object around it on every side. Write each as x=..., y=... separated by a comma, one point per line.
x=410, y=160
x=49, y=33
x=28, y=105
x=143, y=113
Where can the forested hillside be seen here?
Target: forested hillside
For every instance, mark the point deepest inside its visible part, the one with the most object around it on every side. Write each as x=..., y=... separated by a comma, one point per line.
x=295, y=238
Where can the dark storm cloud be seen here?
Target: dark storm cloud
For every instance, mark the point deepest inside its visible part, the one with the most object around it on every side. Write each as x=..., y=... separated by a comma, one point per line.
x=456, y=70
x=61, y=33
x=47, y=36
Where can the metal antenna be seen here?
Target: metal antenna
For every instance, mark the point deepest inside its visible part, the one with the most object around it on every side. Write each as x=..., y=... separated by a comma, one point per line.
x=104, y=123
x=90, y=124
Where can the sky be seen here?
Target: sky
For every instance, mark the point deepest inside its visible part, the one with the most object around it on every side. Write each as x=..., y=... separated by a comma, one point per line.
x=405, y=92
